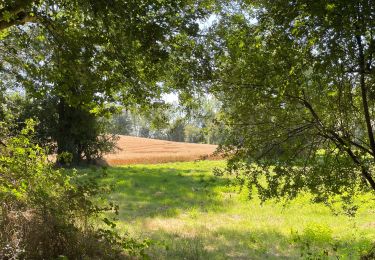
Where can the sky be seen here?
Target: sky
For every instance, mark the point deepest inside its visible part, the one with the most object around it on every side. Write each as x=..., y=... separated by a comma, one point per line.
x=170, y=98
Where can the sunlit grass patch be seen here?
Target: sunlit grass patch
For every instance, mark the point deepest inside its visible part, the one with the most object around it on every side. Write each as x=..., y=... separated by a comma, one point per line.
x=193, y=214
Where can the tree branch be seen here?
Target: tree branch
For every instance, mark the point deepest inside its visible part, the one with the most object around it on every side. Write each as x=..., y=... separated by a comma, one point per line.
x=336, y=138
x=2, y=143
x=362, y=66
x=18, y=14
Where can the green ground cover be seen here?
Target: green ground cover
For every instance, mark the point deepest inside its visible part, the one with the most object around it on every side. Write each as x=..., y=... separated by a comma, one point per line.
x=193, y=214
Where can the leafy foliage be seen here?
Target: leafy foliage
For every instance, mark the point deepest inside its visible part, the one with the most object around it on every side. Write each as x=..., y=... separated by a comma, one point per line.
x=46, y=213
x=86, y=54
x=295, y=79
x=81, y=133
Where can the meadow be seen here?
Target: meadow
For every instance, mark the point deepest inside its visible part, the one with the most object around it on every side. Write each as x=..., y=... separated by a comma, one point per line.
x=189, y=213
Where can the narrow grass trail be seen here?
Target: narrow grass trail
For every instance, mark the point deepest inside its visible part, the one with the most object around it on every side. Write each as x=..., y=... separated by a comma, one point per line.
x=193, y=214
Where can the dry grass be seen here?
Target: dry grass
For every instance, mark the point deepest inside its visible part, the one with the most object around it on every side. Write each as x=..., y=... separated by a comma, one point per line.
x=135, y=150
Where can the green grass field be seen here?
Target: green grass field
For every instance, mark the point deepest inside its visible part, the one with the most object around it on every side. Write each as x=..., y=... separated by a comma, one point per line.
x=192, y=214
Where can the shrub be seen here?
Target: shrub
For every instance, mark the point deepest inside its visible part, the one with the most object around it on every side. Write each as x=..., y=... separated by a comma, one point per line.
x=47, y=213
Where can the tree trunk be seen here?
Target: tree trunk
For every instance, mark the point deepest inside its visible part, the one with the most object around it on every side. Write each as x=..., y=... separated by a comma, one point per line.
x=366, y=111
x=66, y=141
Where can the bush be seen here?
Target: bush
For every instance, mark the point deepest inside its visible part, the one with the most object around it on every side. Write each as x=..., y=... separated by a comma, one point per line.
x=47, y=213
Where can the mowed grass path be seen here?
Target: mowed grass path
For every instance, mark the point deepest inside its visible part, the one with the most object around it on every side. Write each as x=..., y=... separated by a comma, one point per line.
x=193, y=214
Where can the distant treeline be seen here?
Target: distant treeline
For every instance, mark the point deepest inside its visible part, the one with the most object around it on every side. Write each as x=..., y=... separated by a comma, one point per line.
x=173, y=123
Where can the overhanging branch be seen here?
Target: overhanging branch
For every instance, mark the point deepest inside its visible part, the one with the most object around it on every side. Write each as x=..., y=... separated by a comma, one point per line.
x=16, y=14
x=342, y=143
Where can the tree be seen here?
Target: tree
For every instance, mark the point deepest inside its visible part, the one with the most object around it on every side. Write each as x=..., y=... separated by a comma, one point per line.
x=176, y=132
x=16, y=13
x=193, y=134
x=89, y=53
x=296, y=80
x=121, y=124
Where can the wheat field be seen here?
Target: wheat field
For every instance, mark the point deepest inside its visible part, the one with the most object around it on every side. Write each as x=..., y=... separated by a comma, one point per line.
x=135, y=150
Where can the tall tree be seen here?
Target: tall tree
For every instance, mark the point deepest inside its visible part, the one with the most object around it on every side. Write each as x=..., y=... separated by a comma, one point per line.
x=296, y=79
x=89, y=53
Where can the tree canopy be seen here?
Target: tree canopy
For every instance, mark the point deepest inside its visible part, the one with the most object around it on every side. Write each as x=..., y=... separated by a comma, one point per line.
x=106, y=45
x=296, y=79
x=85, y=55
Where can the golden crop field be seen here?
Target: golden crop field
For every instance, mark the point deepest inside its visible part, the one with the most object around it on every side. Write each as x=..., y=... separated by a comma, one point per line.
x=134, y=150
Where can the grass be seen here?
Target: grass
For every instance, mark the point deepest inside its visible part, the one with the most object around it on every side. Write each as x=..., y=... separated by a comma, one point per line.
x=193, y=214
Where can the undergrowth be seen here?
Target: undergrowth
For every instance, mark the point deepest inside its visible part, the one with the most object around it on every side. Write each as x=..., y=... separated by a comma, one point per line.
x=49, y=213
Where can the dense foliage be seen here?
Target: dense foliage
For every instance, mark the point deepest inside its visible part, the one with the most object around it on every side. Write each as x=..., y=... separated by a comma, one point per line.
x=86, y=54
x=87, y=142
x=296, y=81
x=48, y=213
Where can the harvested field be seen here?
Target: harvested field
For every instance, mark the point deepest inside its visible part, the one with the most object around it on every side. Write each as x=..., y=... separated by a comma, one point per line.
x=135, y=150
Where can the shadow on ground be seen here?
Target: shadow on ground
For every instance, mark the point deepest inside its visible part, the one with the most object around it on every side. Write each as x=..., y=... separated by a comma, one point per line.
x=166, y=194
x=258, y=244
x=145, y=192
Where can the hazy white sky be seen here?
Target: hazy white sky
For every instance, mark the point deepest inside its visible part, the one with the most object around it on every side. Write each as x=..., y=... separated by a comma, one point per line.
x=170, y=98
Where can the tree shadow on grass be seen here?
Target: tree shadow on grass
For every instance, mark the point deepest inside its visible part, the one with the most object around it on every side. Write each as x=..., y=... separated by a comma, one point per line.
x=257, y=244
x=147, y=192
x=150, y=192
